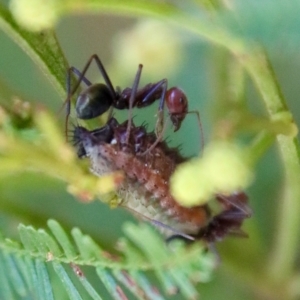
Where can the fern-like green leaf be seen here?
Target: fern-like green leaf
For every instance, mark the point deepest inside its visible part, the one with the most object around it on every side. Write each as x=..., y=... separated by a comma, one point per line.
x=6, y=291
x=110, y=284
x=26, y=269
x=63, y=239
x=14, y=274
x=86, y=284
x=140, y=288
x=67, y=282
x=44, y=284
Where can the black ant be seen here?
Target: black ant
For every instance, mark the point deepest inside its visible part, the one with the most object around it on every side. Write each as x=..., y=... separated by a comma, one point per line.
x=97, y=98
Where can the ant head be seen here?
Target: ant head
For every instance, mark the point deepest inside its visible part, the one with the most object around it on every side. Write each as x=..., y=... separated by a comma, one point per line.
x=93, y=102
x=79, y=133
x=177, y=104
x=83, y=138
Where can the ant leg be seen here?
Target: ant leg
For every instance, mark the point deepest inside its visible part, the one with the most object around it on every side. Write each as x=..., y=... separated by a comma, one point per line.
x=81, y=78
x=160, y=113
x=131, y=100
x=68, y=101
x=158, y=140
x=104, y=74
x=68, y=87
x=102, y=71
x=160, y=126
x=159, y=86
x=78, y=74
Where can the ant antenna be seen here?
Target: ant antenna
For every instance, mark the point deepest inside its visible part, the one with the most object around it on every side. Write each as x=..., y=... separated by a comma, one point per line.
x=202, y=140
x=132, y=98
x=67, y=102
x=69, y=94
x=102, y=71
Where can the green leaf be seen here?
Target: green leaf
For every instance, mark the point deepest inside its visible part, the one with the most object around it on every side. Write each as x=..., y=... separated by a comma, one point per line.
x=30, y=269
x=63, y=239
x=65, y=279
x=14, y=275
x=145, y=285
x=27, y=270
x=44, y=284
x=88, y=287
x=26, y=267
x=6, y=291
x=27, y=238
x=140, y=288
x=156, y=253
x=111, y=285
x=84, y=245
x=48, y=240
x=43, y=48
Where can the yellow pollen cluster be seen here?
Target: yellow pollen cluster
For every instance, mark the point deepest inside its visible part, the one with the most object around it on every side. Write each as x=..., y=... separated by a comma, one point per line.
x=222, y=169
x=35, y=15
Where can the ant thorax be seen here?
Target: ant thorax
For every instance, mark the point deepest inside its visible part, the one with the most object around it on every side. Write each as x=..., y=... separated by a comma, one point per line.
x=145, y=190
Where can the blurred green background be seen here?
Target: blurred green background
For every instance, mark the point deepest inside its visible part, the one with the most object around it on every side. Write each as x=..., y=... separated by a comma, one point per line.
x=195, y=67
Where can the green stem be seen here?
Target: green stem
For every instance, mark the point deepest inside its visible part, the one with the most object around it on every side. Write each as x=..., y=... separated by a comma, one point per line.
x=259, y=146
x=285, y=248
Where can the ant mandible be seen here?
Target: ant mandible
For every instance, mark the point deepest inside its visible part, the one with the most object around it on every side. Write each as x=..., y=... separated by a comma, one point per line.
x=97, y=98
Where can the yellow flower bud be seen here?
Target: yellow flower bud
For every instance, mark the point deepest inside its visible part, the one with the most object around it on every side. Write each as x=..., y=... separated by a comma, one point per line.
x=190, y=185
x=225, y=164
x=35, y=15
x=151, y=43
x=222, y=169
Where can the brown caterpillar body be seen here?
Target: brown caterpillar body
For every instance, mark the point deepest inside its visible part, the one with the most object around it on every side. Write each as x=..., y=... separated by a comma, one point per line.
x=145, y=189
